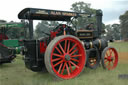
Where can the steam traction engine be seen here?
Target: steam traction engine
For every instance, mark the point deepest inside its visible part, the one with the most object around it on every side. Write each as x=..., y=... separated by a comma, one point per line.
x=66, y=51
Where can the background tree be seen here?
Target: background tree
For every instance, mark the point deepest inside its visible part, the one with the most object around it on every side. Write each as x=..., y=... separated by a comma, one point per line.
x=116, y=31
x=113, y=32
x=11, y=31
x=81, y=22
x=82, y=7
x=43, y=28
x=124, y=25
x=3, y=21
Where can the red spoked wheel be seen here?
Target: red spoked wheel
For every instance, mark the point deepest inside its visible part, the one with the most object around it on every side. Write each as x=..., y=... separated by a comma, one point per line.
x=65, y=57
x=109, y=58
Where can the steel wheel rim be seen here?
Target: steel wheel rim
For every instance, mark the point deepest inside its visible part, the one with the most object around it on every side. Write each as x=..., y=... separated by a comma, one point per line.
x=110, y=58
x=67, y=69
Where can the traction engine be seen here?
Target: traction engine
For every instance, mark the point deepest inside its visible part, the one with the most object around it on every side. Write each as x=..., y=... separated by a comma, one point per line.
x=66, y=51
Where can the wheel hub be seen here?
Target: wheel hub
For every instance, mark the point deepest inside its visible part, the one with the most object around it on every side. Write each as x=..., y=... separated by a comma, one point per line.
x=67, y=57
x=110, y=58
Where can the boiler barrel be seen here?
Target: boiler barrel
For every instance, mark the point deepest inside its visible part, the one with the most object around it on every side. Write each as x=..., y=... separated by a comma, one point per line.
x=99, y=43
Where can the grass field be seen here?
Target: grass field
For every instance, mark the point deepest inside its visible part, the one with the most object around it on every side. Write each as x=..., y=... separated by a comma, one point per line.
x=15, y=73
x=120, y=46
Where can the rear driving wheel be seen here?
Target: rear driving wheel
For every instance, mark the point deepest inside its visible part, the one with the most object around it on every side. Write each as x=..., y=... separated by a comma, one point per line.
x=109, y=58
x=65, y=57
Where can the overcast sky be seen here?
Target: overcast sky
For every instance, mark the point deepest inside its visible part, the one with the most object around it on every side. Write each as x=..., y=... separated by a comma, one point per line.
x=112, y=9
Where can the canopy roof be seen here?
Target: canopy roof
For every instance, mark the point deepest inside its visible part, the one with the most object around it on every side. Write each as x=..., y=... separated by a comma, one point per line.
x=46, y=14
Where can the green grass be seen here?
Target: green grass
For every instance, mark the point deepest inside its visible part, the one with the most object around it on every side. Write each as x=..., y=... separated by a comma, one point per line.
x=16, y=74
x=120, y=46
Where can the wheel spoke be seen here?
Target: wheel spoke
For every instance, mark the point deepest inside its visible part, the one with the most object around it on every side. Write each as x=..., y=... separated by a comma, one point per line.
x=105, y=58
x=63, y=68
x=108, y=65
x=67, y=69
x=58, y=63
x=112, y=62
x=105, y=61
x=65, y=45
x=61, y=56
x=73, y=51
x=72, y=48
x=74, y=59
x=76, y=55
x=61, y=48
x=110, y=52
x=68, y=47
x=74, y=64
x=70, y=67
x=106, y=53
x=60, y=67
x=53, y=60
x=58, y=50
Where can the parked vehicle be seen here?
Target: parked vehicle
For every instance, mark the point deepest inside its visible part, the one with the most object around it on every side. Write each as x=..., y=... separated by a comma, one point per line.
x=66, y=51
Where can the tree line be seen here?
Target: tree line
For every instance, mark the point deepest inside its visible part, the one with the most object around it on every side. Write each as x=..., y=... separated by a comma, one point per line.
x=114, y=31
